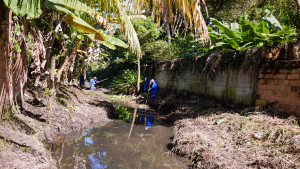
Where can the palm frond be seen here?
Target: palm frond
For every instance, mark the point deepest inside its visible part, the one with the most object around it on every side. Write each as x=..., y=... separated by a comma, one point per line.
x=190, y=10
x=130, y=32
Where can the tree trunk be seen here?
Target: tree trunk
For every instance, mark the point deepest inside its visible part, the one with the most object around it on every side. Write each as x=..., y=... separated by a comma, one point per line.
x=72, y=63
x=139, y=75
x=86, y=63
x=20, y=68
x=74, y=67
x=51, y=83
x=49, y=49
x=52, y=74
x=6, y=81
x=166, y=20
x=62, y=68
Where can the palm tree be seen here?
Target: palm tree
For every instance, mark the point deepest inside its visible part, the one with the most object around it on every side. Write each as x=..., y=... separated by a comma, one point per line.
x=102, y=11
x=6, y=78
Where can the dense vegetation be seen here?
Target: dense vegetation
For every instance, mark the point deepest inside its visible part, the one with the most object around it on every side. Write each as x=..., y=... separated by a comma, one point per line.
x=64, y=39
x=229, y=39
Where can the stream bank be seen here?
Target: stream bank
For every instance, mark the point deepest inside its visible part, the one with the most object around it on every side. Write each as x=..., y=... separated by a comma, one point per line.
x=23, y=136
x=207, y=133
x=213, y=134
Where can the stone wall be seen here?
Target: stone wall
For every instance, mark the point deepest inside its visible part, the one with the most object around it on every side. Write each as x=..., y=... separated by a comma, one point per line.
x=228, y=84
x=280, y=82
x=275, y=81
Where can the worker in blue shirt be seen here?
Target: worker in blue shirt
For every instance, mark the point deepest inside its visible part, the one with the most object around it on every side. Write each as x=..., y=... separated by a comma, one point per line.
x=146, y=84
x=154, y=87
x=93, y=81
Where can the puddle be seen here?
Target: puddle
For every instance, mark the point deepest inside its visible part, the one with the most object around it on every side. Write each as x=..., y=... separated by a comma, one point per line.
x=110, y=146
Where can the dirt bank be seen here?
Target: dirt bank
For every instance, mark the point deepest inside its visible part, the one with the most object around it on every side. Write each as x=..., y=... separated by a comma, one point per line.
x=23, y=137
x=212, y=134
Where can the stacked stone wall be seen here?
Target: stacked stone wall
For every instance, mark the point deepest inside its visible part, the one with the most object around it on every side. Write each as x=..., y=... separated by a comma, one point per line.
x=279, y=81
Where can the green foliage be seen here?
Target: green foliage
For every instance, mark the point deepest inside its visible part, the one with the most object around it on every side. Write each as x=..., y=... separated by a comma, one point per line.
x=47, y=92
x=74, y=20
x=122, y=58
x=247, y=34
x=74, y=5
x=146, y=30
x=124, y=113
x=125, y=82
x=185, y=47
x=230, y=11
x=31, y=8
x=115, y=41
x=158, y=50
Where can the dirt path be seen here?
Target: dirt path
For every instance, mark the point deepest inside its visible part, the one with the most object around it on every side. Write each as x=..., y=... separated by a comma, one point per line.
x=24, y=136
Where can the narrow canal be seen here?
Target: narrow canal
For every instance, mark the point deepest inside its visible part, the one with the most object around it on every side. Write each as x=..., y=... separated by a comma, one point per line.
x=142, y=143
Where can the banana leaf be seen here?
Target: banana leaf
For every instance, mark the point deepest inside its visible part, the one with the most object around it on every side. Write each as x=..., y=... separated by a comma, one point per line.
x=215, y=37
x=225, y=30
x=262, y=28
x=74, y=4
x=104, y=54
x=219, y=44
x=75, y=21
x=247, y=30
x=245, y=46
x=110, y=41
x=108, y=44
x=232, y=43
x=234, y=26
x=271, y=19
x=31, y=8
x=115, y=41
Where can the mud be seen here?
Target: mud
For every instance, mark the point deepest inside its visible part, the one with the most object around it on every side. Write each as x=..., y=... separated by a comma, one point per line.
x=25, y=135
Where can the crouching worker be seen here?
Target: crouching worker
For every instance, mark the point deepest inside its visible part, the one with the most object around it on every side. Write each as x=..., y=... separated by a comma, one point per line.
x=154, y=87
x=93, y=81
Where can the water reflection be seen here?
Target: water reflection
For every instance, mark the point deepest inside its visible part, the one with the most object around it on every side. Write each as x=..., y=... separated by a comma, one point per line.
x=110, y=147
x=142, y=116
x=149, y=121
x=132, y=124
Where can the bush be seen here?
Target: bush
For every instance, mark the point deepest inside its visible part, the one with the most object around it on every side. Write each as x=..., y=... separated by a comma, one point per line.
x=125, y=83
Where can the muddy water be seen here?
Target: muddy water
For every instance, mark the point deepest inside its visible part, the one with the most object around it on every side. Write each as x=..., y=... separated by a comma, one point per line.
x=110, y=147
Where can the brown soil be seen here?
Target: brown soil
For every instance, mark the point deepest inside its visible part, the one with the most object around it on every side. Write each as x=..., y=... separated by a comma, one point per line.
x=24, y=136
x=211, y=135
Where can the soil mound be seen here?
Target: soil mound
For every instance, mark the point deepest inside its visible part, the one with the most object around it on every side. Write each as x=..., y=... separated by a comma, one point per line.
x=214, y=134
x=229, y=140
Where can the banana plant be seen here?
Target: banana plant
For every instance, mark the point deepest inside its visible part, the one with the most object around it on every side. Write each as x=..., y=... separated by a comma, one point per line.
x=110, y=41
x=246, y=34
x=74, y=20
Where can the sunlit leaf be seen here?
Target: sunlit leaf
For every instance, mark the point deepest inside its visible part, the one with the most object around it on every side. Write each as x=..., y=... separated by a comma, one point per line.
x=225, y=30
x=77, y=22
x=31, y=8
